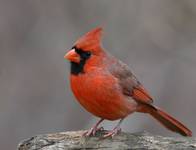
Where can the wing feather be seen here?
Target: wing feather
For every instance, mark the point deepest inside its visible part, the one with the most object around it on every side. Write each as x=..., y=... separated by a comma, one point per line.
x=129, y=83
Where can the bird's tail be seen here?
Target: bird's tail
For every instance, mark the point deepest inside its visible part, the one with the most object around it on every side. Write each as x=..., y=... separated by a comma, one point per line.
x=166, y=120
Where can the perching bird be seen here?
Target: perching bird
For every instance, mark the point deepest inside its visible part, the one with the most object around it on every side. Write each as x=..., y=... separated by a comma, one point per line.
x=108, y=89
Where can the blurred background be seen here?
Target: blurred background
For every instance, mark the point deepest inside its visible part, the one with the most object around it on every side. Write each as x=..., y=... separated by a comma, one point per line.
x=157, y=39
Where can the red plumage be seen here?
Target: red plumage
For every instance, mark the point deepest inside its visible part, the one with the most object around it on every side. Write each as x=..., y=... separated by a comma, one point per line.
x=106, y=87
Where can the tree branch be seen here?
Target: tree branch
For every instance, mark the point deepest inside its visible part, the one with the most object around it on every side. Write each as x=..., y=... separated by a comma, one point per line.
x=123, y=141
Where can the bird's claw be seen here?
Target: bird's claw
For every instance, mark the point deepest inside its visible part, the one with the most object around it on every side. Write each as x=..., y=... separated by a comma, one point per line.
x=112, y=133
x=92, y=131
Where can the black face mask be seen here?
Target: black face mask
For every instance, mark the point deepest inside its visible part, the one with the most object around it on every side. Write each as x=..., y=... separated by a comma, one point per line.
x=77, y=68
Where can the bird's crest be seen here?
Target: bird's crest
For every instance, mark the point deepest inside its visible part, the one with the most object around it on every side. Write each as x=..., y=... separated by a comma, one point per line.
x=91, y=40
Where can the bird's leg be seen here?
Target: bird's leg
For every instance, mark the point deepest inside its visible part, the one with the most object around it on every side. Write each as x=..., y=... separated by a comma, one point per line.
x=94, y=129
x=115, y=131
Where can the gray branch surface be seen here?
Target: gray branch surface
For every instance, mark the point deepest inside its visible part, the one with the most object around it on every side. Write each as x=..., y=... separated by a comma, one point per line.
x=74, y=141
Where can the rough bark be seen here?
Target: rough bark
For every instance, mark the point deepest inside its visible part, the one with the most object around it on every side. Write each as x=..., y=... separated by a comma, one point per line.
x=123, y=141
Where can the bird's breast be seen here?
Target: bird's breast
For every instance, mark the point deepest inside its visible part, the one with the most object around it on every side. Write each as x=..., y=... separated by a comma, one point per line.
x=101, y=95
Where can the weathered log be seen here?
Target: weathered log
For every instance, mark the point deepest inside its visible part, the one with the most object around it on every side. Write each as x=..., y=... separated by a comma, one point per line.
x=123, y=141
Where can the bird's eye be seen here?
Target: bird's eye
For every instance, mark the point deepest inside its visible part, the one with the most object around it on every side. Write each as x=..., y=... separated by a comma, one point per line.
x=88, y=54
x=82, y=53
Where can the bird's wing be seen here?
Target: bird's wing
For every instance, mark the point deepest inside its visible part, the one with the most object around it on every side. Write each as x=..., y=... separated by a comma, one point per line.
x=129, y=83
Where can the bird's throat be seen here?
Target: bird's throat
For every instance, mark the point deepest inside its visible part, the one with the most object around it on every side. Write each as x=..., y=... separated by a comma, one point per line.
x=77, y=68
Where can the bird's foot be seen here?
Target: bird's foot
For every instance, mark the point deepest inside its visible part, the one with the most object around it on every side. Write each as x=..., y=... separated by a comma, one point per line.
x=113, y=132
x=92, y=131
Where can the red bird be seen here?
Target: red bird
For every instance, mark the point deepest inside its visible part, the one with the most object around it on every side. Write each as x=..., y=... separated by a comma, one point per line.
x=108, y=89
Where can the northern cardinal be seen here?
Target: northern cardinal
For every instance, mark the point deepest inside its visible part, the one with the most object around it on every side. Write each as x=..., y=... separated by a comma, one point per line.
x=108, y=89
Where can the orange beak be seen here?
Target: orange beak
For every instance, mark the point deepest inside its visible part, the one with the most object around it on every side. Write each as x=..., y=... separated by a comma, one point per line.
x=72, y=56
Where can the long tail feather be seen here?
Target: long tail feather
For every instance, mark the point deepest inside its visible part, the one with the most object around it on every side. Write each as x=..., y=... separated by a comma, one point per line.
x=166, y=120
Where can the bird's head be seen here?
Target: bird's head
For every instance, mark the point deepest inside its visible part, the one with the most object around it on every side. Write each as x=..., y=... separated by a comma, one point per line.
x=85, y=48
